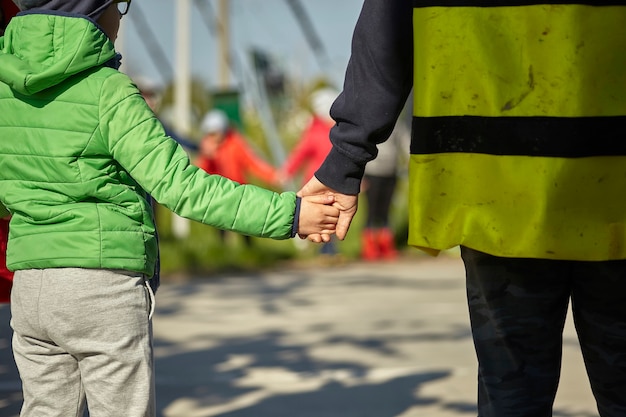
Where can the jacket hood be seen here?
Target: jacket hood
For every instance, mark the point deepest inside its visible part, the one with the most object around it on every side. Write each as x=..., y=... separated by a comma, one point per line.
x=40, y=51
x=90, y=8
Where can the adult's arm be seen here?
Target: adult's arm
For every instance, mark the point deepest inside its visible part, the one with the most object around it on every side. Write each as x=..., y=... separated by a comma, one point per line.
x=378, y=80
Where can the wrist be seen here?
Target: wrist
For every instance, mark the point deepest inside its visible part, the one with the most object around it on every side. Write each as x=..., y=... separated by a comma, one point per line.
x=296, y=217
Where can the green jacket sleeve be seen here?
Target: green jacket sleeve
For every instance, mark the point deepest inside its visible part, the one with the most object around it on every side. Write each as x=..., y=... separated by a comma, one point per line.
x=138, y=142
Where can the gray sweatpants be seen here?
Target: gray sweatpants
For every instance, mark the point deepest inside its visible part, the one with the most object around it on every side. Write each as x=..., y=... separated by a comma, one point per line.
x=83, y=335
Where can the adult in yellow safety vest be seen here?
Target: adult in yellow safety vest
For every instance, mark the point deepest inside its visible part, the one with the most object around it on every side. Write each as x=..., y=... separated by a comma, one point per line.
x=518, y=156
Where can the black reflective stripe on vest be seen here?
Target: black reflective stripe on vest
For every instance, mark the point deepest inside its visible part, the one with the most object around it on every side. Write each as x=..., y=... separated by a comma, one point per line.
x=532, y=136
x=506, y=3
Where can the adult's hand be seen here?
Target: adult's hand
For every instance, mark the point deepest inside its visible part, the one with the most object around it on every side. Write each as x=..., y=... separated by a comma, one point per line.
x=346, y=203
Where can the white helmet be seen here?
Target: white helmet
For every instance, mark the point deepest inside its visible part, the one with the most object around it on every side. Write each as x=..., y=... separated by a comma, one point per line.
x=214, y=121
x=322, y=100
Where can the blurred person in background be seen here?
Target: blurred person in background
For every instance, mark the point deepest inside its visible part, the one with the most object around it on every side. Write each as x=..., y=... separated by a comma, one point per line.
x=8, y=9
x=313, y=146
x=379, y=186
x=314, y=143
x=225, y=151
x=6, y=276
x=517, y=156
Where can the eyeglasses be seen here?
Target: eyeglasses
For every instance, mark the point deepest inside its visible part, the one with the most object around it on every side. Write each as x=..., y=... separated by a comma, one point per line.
x=123, y=6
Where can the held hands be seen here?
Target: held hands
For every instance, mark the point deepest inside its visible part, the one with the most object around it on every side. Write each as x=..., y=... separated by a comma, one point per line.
x=345, y=203
x=318, y=217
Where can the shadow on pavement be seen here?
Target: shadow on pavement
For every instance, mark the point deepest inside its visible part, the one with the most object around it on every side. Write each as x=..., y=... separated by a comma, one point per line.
x=247, y=355
x=343, y=391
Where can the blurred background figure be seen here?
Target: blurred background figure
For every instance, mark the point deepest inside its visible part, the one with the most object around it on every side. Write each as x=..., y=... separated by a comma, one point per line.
x=225, y=151
x=313, y=146
x=378, y=186
x=314, y=142
x=7, y=10
x=6, y=276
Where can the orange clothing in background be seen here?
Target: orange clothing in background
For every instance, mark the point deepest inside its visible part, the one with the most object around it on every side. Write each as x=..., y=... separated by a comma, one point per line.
x=235, y=160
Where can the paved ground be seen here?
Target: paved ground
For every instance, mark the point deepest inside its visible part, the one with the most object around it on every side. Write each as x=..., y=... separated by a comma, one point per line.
x=357, y=340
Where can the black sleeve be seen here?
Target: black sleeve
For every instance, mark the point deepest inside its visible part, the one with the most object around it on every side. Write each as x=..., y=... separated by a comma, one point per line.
x=378, y=80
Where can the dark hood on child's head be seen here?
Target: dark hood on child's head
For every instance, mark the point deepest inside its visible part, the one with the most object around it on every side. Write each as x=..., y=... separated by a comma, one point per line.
x=90, y=8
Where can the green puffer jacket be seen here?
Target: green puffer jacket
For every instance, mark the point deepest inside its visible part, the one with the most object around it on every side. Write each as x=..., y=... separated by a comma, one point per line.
x=80, y=151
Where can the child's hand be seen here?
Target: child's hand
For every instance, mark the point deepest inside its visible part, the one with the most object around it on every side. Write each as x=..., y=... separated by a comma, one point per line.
x=317, y=215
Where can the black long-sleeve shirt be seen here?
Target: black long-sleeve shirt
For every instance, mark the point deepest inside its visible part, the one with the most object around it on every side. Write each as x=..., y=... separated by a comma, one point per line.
x=378, y=80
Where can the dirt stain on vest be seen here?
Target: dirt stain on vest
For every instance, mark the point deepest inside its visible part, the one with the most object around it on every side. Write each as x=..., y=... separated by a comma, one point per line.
x=514, y=102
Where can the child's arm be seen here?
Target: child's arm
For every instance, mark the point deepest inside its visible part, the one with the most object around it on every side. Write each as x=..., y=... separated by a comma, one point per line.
x=317, y=215
x=136, y=140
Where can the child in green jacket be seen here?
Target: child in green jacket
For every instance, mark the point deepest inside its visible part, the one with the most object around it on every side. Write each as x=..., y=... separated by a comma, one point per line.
x=80, y=151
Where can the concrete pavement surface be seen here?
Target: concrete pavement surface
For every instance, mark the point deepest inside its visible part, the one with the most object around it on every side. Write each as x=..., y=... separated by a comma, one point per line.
x=350, y=340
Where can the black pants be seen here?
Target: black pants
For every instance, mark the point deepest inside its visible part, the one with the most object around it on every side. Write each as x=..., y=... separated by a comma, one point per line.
x=517, y=313
x=379, y=194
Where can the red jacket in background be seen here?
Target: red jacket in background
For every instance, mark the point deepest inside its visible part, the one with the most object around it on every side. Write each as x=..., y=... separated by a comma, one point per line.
x=311, y=151
x=236, y=160
x=9, y=9
x=6, y=276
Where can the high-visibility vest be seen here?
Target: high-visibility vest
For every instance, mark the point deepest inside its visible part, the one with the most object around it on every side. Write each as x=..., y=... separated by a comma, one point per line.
x=519, y=129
